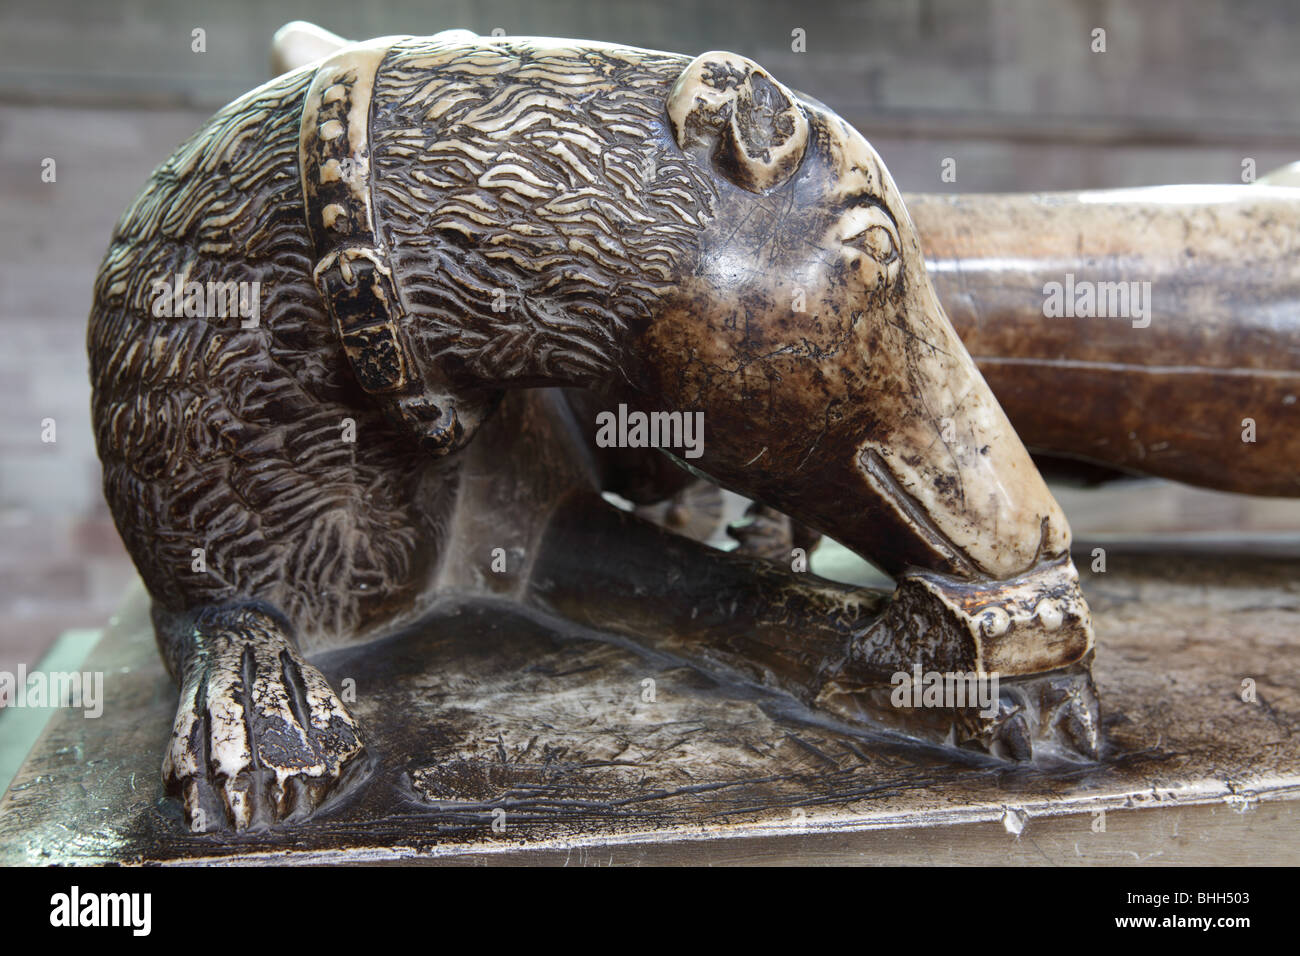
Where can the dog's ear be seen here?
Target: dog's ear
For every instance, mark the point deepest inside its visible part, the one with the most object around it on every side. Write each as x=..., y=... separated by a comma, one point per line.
x=298, y=43
x=751, y=127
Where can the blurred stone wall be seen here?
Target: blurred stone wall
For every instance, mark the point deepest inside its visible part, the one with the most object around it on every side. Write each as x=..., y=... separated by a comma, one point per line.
x=1009, y=88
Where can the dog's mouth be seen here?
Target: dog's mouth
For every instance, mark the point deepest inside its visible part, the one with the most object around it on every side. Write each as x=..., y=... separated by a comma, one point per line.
x=887, y=486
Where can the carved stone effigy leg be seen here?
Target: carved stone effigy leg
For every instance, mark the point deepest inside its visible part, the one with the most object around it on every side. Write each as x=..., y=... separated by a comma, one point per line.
x=1135, y=328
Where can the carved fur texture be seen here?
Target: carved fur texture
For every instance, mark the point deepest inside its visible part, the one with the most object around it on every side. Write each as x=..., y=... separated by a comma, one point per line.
x=226, y=439
x=535, y=205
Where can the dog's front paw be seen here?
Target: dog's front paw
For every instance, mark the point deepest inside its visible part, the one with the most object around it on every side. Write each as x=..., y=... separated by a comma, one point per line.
x=1045, y=714
x=259, y=736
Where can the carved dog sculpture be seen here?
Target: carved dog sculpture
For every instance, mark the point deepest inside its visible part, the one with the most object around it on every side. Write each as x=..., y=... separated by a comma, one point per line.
x=463, y=246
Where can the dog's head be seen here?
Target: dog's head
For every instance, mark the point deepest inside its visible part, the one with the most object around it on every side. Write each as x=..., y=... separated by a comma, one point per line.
x=807, y=330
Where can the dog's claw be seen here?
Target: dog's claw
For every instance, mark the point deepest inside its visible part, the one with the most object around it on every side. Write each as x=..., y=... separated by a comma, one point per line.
x=1037, y=716
x=1054, y=714
x=259, y=737
x=1012, y=741
x=1077, y=714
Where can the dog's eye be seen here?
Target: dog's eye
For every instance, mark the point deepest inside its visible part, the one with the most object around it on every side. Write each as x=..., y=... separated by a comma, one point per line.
x=877, y=242
x=868, y=229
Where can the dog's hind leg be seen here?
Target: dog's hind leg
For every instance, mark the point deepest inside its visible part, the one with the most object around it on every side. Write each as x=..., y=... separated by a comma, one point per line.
x=259, y=735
